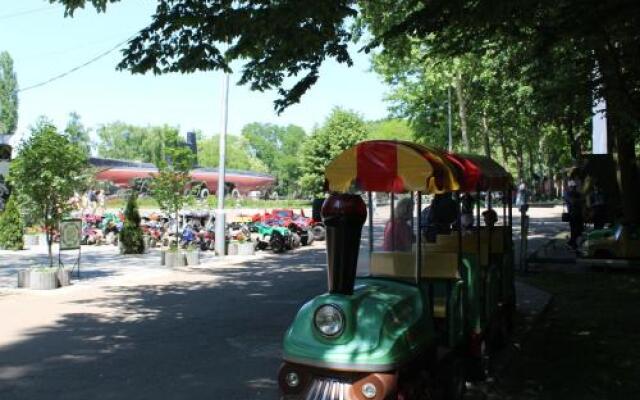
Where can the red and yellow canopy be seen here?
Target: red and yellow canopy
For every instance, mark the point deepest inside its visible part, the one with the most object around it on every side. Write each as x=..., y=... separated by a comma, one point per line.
x=391, y=166
x=397, y=166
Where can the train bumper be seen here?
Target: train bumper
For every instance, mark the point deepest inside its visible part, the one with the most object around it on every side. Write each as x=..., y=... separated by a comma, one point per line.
x=301, y=382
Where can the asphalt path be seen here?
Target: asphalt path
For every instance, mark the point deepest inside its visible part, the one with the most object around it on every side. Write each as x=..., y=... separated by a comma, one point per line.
x=213, y=339
x=203, y=333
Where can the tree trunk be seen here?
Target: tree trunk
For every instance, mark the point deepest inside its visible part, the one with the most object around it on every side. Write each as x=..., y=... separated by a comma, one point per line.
x=177, y=227
x=462, y=112
x=520, y=161
x=574, y=146
x=622, y=123
x=503, y=147
x=627, y=169
x=49, y=240
x=485, y=135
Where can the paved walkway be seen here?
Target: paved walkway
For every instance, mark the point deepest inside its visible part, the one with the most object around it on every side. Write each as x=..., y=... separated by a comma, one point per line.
x=133, y=329
x=96, y=262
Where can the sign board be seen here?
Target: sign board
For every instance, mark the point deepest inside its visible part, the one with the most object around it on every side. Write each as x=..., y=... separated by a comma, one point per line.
x=70, y=234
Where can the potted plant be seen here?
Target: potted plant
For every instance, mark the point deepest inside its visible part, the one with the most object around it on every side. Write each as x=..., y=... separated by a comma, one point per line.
x=171, y=256
x=245, y=247
x=64, y=276
x=192, y=254
x=232, y=250
x=43, y=278
x=24, y=280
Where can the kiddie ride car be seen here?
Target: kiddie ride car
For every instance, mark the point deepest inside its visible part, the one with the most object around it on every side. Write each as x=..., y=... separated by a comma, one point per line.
x=277, y=238
x=296, y=223
x=418, y=321
x=618, y=245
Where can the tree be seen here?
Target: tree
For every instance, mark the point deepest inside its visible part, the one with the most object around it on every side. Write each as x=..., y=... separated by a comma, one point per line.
x=45, y=174
x=11, y=227
x=390, y=129
x=131, y=234
x=278, y=148
x=185, y=36
x=8, y=95
x=341, y=130
x=169, y=183
x=129, y=142
x=237, y=156
x=77, y=133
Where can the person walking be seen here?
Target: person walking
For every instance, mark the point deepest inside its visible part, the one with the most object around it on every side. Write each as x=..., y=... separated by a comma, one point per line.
x=574, y=201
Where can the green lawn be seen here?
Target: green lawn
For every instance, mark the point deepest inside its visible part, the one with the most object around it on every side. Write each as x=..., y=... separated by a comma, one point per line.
x=150, y=203
x=588, y=345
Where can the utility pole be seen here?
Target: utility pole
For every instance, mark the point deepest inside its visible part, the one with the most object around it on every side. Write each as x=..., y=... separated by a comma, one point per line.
x=220, y=213
x=450, y=145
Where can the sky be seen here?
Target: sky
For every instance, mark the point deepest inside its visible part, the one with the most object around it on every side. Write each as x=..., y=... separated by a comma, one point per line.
x=43, y=44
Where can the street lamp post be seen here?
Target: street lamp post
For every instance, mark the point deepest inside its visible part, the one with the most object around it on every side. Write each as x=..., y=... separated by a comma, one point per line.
x=220, y=213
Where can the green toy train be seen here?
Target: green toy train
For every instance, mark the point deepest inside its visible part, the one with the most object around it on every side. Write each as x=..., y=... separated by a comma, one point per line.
x=430, y=304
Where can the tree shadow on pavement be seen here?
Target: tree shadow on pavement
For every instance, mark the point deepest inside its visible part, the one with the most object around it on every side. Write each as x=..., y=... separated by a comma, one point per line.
x=205, y=339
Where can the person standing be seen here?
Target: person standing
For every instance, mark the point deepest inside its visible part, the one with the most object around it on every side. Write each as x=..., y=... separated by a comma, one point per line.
x=522, y=196
x=597, y=207
x=574, y=201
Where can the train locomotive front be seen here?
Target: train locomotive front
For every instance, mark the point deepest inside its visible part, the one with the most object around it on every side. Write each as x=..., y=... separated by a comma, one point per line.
x=409, y=327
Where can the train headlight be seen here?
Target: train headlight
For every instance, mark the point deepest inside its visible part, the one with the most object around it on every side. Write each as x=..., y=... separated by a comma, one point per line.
x=292, y=379
x=329, y=320
x=369, y=390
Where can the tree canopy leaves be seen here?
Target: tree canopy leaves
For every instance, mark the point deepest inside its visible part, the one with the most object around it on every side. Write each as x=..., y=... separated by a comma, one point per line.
x=8, y=95
x=47, y=171
x=341, y=130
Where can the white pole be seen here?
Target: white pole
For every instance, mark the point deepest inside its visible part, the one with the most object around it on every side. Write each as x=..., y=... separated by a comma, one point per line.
x=450, y=145
x=220, y=220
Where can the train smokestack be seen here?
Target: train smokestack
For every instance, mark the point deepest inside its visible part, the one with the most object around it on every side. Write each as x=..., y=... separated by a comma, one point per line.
x=343, y=215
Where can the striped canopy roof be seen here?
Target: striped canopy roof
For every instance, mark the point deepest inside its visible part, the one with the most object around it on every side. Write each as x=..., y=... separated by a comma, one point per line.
x=492, y=175
x=398, y=166
x=391, y=166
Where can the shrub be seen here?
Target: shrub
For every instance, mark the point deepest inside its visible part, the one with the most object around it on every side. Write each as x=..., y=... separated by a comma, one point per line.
x=11, y=227
x=131, y=234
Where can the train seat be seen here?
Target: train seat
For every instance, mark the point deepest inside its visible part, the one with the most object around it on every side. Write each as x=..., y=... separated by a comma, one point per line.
x=440, y=265
x=395, y=264
x=440, y=307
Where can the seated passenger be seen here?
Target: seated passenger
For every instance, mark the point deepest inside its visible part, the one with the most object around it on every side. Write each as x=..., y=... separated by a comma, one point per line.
x=466, y=218
x=490, y=217
x=397, y=232
x=440, y=215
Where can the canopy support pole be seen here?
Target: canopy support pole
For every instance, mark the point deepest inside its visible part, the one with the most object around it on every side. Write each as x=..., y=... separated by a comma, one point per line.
x=393, y=219
x=504, y=218
x=483, y=277
x=419, y=242
x=459, y=222
x=370, y=199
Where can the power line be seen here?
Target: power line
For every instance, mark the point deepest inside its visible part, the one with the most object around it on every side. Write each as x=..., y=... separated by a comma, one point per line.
x=76, y=68
x=26, y=12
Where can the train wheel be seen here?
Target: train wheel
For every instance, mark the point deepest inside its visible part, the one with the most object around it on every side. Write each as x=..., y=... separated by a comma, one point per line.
x=277, y=244
x=307, y=237
x=452, y=382
x=480, y=365
x=318, y=232
x=500, y=332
